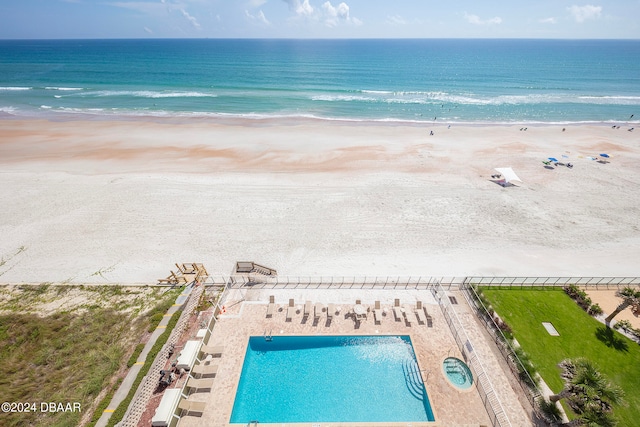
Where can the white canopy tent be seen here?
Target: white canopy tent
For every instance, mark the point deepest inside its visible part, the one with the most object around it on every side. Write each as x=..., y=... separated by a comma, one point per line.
x=508, y=174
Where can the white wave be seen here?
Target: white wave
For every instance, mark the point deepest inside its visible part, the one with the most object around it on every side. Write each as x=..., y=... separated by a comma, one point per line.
x=46, y=107
x=57, y=96
x=62, y=88
x=149, y=94
x=377, y=92
x=331, y=98
x=15, y=88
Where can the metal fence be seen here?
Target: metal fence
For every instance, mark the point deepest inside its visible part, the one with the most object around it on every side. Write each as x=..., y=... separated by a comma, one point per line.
x=528, y=385
x=485, y=388
x=587, y=282
x=332, y=282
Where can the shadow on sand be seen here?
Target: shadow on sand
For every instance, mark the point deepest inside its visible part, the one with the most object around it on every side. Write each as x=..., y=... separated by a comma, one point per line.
x=611, y=339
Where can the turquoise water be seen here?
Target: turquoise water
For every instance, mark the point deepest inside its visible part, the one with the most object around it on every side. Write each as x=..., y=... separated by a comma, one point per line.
x=450, y=81
x=457, y=372
x=330, y=379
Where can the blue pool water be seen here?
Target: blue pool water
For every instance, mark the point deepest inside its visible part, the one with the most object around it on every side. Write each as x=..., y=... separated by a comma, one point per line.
x=330, y=379
x=457, y=372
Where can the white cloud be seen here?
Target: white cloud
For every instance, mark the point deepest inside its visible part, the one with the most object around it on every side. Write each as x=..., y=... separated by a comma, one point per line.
x=301, y=9
x=259, y=17
x=328, y=14
x=550, y=20
x=584, y=13
x=256, y=3
x=396, y=20
x=191, y=19
x=475, y=19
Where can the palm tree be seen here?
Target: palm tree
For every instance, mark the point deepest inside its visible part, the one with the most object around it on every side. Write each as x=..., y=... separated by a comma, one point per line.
x=588, y=393
x=630, y=296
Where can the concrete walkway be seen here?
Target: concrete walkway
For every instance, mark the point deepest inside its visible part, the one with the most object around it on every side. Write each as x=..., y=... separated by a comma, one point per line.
x=128, y=381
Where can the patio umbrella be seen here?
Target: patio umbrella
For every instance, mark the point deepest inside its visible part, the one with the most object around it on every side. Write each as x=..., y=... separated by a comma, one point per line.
x=605, y=155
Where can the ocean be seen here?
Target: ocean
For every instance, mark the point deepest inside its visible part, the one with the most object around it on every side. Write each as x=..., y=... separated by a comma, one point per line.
x=427, y=80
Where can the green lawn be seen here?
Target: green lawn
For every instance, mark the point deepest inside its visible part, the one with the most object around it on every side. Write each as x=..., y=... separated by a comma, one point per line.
x=580, y=336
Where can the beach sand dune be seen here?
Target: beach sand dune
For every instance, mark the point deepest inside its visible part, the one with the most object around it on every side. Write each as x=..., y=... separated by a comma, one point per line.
x=121, y=201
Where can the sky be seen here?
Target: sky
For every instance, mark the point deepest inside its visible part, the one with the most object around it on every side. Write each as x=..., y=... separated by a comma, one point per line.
x=573, y=19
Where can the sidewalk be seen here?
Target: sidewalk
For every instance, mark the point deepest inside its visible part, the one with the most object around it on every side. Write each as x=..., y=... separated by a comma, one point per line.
x=128, y=381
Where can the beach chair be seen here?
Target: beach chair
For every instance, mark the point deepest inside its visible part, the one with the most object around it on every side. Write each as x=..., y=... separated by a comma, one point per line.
x=290, y=310
x=420, y=312
x=189, y=407
x=377, y=312
x=330, y=310
x=317, y=311
x=271, y=306
x=212, y=350
x=409, y=315
x=307, y=308
x=397, y=311
x=205, y=371
x=200, y=384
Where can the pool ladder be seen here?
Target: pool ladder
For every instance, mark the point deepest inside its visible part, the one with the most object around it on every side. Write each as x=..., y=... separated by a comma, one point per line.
x=268, y=337
x=253, y=423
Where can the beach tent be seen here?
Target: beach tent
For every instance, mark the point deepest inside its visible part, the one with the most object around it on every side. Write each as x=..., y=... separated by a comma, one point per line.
x=508, y=174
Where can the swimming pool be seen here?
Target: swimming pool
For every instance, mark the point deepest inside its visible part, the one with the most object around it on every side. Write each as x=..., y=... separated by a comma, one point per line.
x=295, y=379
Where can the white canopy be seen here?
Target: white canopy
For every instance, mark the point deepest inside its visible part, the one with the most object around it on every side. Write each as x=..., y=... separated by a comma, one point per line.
x=509, y=174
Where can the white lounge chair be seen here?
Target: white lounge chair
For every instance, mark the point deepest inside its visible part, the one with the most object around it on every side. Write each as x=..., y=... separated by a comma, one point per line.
x=189, y=406
x=317, y=311
x=271, y=306
x=212, y=350
x=205, y=371
x=409, y=315
x=331, y=309
x=200, y=384
x=377, y=312
x=290, y=310
x=397, y=311
x=420, y=312
x=307, y=308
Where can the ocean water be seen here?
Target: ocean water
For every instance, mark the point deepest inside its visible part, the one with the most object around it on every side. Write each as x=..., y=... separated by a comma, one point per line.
x=446, y=81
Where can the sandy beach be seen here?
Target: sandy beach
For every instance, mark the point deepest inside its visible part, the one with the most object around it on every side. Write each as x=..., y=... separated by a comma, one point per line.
x=122, y=200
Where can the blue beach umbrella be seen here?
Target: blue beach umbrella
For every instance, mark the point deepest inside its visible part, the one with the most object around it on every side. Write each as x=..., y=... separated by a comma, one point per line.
x=606, y=156
x=553, y=159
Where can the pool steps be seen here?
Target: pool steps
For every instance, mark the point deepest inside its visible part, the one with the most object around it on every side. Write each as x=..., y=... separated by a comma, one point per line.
x=414, y=380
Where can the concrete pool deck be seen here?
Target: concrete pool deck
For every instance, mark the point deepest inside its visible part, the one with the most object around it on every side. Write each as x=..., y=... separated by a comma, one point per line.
x=245, y=316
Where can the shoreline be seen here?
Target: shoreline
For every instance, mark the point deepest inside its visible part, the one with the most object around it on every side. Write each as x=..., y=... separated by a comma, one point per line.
x=177, y=117
x=131, y=198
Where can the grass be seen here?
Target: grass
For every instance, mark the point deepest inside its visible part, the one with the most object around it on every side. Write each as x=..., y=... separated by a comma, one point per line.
x=68, y=356
x=580, y=336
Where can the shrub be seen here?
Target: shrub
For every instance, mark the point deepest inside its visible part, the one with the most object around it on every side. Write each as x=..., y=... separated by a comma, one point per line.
x=134, y=357
x=595, y=309
x=624, y=325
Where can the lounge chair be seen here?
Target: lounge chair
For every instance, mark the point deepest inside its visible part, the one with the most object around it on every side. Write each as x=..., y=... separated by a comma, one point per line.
x=216, y=350
x=290, y=310
x=205, y=371
x=420, y=312
x=317, y=311
x=190, y=406
x=377, y=312
x=307, y=308
x=200, y=384
x=409, y=315
x=331, y=309
x=271, y=306
x=397, y=312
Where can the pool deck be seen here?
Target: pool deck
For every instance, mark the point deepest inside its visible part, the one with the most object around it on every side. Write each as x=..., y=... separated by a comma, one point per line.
x=245, y=316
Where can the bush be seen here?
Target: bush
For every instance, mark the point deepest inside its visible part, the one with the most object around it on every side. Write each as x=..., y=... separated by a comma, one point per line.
x=624, y=325
x=595, y=310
